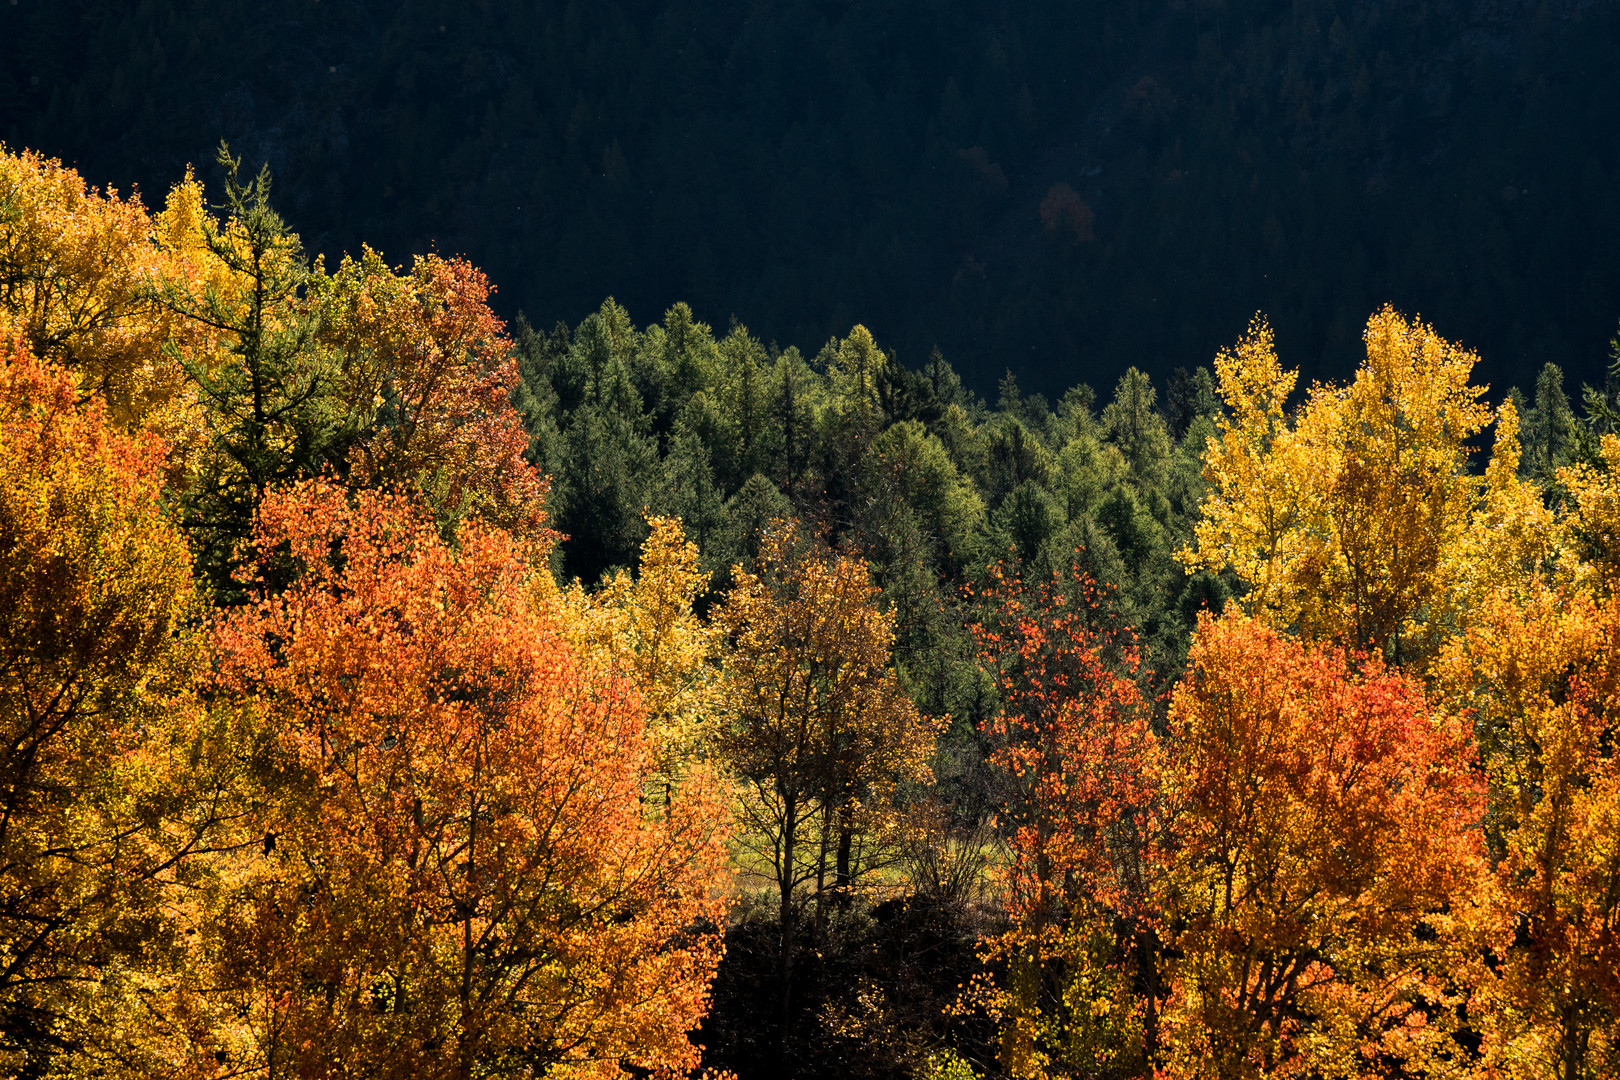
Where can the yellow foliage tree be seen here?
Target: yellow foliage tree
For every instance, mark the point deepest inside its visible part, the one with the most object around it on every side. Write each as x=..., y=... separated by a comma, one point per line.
x=77, y=269
x=646, y=629
x=1542, y=677
x=1357, y=519
x=1514, y=544
x=111, y=780
x=1592, y=519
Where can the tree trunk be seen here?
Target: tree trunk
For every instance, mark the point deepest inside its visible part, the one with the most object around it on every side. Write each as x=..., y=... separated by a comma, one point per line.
x=845, y=880
x=821, y=869
x=786, y=927
x=1576, y=1036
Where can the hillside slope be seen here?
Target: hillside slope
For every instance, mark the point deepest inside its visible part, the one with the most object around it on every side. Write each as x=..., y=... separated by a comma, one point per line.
x=804, y=164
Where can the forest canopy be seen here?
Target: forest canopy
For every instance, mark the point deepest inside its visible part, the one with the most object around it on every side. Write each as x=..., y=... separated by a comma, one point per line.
x=390, y=690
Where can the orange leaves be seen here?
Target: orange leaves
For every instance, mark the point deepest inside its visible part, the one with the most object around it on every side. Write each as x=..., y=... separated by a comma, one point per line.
x=1330, y=856
x=463, y=862
x=96, y=581
x=455, y=867
x=427, y=373
x=1290, y=880
x=435, y=817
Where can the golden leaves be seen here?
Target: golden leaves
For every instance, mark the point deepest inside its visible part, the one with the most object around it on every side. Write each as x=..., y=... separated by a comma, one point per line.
x=1540, y=675
x=76, y=268
x=102, y=769
x=645, y=628
x=1354, y=519
x=814, y=720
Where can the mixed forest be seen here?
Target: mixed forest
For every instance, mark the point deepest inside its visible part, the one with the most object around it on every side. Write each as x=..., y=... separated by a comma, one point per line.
x=391, y=691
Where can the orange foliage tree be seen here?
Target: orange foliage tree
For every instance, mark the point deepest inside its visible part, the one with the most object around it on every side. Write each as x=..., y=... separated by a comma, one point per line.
x=460, y=876
x=426, y=376
x=1330, y=864
x=1084, y=812
x=394, y=379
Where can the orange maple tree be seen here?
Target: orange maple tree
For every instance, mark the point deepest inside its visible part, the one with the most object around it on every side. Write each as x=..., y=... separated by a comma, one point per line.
x=460, y=876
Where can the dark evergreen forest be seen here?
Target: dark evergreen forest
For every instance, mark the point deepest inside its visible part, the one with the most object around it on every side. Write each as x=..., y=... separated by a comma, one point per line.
x=1059, y=190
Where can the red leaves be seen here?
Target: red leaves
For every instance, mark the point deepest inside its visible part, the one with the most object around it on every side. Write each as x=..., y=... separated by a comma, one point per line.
x=1088, y=862
x=1074, y=735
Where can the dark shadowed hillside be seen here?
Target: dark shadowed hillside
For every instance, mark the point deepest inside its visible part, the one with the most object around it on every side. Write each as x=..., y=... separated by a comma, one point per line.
x=1062, y=189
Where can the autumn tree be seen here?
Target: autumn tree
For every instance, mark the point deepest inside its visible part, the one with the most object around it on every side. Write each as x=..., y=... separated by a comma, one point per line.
x=1345, y=519
x=1329, y=865
x=460, y=876
x=72, y=263
x=1540, y=678
x=1085, y=818
x=424, y=378
x=644, y=627
x=814, y=724
x=111, y=777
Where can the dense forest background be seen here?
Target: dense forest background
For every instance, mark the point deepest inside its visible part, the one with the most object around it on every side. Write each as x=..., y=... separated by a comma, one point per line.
x=1059, y=190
